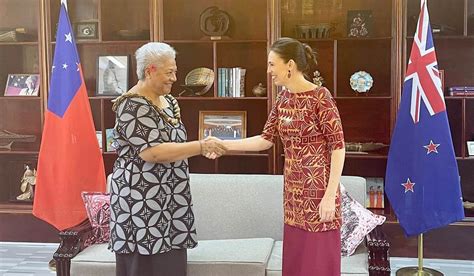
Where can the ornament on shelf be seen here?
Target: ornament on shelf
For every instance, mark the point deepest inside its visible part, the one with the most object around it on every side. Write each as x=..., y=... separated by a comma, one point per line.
x=7, y=138
x=361, y=81
x=317, y=78
x=259, y=90
x=28, y=181
x=214, y=23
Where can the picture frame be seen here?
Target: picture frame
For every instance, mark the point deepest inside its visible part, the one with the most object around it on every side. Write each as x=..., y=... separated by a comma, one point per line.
x=86, y=30
x=225, y=125
x=375, y=198
x=470, y=148
x=112, y=75
x=441, y=77
x=359, y=23
x=22, y=85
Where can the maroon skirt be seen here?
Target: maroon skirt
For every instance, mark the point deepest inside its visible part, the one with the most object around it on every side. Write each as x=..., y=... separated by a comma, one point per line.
x=311, y=253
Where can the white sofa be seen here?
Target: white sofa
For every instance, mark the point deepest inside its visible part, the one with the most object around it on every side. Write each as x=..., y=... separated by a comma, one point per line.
x=239, y=221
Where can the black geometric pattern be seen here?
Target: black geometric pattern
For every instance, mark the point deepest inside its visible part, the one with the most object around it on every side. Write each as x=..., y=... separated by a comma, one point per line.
x=151, y=207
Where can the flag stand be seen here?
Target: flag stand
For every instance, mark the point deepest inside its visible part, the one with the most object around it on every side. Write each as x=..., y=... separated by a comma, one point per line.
x=418, y=270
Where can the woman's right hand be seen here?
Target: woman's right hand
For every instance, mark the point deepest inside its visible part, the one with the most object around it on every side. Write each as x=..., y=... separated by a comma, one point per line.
x=212, y=147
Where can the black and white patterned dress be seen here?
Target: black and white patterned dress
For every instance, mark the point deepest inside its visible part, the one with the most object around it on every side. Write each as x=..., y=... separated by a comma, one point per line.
x=151, y=207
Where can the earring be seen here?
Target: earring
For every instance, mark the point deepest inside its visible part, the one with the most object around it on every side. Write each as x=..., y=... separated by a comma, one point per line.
x=289, y=74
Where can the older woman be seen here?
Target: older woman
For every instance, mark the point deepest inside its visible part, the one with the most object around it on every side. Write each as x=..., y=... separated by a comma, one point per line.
x=152, y=221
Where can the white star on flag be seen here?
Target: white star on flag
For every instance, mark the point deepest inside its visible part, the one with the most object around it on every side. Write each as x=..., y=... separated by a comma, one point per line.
x=64, y=66
x=68, y=37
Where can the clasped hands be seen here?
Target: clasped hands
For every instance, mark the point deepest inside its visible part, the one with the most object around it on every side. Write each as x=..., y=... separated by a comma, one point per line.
x=212, y=147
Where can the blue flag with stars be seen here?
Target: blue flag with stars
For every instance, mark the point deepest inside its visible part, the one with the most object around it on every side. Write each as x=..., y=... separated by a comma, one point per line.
x=422, y=178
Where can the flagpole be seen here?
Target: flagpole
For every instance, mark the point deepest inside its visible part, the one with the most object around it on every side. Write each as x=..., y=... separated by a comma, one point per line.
x=418, y=270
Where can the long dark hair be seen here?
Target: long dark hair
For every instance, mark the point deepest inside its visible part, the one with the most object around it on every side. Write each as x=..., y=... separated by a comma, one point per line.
x=301, y=53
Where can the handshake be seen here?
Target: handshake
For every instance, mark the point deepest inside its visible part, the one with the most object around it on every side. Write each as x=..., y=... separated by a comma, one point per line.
x=212, y=147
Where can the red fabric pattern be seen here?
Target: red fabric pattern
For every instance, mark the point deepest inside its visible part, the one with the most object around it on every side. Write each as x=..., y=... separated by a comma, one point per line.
x=310, y=128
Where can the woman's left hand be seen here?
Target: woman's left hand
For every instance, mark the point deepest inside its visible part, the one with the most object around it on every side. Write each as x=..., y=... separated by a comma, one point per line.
x=327, y=208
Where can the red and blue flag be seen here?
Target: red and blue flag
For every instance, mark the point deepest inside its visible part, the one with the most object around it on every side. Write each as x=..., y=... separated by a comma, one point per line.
x=422, y=179
x=70, y=160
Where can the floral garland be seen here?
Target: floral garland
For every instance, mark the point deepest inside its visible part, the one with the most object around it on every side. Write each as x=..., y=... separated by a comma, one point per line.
x=174, y=106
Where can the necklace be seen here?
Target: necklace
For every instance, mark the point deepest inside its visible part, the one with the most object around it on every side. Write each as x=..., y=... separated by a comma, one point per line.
x=173, y=104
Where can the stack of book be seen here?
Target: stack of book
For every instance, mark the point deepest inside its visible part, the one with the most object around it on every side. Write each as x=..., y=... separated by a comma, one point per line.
x=231, y=82
x=461, y=91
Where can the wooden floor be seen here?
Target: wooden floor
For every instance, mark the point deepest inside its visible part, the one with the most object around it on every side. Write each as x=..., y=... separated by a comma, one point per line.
x=451, y=242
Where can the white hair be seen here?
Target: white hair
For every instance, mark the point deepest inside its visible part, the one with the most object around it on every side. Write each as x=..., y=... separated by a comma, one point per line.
x=152, y=53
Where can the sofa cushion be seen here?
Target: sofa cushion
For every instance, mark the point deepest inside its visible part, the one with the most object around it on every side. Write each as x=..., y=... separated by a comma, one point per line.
x=237, y=206
x=98, y=211
x=213, y=257
x=94, y=260
x=357, y=223
x=356, y=264
x=230, y=257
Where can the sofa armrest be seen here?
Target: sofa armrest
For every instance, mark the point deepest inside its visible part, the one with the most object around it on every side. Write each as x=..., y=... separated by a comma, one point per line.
x=71, y=242
x=378, y=247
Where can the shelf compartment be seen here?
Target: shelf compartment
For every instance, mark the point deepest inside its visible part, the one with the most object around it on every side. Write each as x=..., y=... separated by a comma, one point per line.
x=371, y=56
x=365, y=121
x=256, y=114
x=245, y=22
x=191, y=56
x=13, y=16
x=335, y=13
x=118, y=16
x=325, y=57
x=448, y=14
x=252, y=57
x=454, y=111
x=79, y=12
x=12, y=169
x=22, y=117
x=25, y=61
x=457, y=60
x=89, y=53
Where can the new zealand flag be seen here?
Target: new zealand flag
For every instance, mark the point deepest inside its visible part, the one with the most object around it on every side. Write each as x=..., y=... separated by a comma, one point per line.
x=422, y=178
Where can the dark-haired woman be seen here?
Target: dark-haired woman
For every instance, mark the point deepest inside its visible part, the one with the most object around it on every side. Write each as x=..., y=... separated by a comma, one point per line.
x=306, y=119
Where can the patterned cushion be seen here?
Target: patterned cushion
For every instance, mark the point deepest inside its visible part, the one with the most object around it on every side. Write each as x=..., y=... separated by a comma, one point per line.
x=357, y=222
x=98, y=211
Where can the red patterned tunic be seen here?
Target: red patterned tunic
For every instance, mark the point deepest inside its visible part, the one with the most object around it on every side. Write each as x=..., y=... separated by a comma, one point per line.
x=310, y=128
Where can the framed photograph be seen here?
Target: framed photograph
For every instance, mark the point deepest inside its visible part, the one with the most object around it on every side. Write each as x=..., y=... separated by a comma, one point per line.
x=470, y=148
x=441, y=76
x=375, y=193
x=22, y=85
x=86, y=30
x=359, y=23
x=112, y=75
x=225, y=125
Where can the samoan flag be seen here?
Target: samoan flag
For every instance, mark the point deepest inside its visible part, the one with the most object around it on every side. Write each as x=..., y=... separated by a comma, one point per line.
x=70, y=160
x=422, y=178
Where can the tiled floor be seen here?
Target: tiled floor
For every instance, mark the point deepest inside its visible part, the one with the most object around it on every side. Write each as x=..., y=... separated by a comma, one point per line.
x=31, y=259
x=26, y=259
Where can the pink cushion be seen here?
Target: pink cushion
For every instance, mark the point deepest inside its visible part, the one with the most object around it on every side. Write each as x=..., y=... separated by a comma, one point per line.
x=357, y=222
x=98, y=211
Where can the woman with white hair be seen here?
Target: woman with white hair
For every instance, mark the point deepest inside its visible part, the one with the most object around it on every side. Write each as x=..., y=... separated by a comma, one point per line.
x=152, y=221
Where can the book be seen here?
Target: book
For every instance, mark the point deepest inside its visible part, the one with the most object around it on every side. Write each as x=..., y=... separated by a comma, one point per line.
x=98, y=134
x=109, y=140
